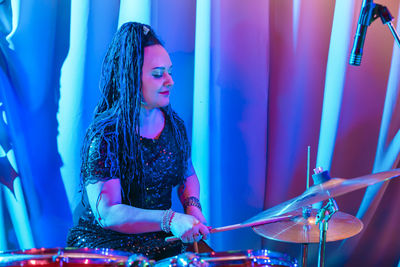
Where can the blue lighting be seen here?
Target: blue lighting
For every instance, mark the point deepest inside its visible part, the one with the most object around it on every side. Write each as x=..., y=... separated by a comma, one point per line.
x=296, y=19
x=19, y=217
x=200, y=132
x=71, y=81
x=334, y=81
x=134, y=10
x=3, y=241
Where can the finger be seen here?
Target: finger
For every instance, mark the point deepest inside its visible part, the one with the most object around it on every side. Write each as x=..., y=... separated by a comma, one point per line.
x=204, y=229
x=197, y=237
x=188, y=238
x=204, y=232
x=185, y=240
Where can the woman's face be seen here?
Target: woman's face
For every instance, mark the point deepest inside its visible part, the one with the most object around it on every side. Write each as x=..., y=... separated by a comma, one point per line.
x=156, y=77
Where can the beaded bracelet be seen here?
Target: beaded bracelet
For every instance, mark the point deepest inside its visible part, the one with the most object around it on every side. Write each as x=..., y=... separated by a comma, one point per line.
x=166, y=220
x=192, y=201
x=170, y=220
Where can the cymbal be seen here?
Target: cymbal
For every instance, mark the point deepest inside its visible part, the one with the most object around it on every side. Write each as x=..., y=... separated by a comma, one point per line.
x=332, y=188
x=298, y=229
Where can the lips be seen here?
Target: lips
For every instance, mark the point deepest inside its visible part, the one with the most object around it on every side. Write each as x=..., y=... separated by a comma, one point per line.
x=164, y=93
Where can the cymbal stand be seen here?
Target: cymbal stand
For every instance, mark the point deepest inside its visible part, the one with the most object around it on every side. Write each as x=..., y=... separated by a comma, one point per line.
x=323, y=217
x=304, y=247
x=306, y=213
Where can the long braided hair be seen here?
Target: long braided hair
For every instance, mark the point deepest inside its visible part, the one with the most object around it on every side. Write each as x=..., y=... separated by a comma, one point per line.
x=116, y=118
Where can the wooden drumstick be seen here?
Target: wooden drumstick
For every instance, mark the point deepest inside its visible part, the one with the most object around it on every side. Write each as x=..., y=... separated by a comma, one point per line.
x=236, y=226
x=195, y=247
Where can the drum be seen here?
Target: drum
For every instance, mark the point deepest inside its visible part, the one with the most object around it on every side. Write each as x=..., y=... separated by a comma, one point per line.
x=71, y=257
x=259, y=258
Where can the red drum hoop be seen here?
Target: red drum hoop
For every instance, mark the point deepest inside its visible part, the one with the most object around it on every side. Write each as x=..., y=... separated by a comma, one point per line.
x=68, y=257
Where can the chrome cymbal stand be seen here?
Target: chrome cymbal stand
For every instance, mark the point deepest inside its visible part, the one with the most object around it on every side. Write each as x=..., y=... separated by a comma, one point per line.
x=306, y=213
x=324, y=214
x=323, y=217
x=304, y=247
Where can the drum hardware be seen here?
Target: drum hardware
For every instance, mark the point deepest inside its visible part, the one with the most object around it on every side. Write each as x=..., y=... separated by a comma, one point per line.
x=304, y=253
x=346, y=225
x=324, y=214
x=306, y=212
x=323, y=217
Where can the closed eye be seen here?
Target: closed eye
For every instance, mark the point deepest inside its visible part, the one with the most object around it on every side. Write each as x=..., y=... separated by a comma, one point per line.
x=159, y=72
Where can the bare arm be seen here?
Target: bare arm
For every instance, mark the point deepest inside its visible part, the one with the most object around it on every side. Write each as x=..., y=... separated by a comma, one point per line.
x=191, y=188
x=105, y=202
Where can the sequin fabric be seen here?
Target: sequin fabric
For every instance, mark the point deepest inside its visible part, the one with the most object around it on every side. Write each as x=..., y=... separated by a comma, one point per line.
x=163, y=169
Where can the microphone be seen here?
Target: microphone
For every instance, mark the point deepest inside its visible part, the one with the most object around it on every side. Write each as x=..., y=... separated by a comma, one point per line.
x=364, y=20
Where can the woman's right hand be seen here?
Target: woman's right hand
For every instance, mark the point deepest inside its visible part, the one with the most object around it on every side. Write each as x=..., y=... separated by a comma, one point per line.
x=188, y=228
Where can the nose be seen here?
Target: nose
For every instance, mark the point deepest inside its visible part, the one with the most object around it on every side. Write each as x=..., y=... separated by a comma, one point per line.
x=168, y=82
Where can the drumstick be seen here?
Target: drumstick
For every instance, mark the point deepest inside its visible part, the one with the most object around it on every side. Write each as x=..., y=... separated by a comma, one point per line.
x=195, y=247
x=236, y=226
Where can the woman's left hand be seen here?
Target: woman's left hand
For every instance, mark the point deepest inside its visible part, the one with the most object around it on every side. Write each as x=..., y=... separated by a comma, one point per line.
x=196, y=212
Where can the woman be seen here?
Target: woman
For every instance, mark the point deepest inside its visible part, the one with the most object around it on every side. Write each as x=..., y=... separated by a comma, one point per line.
x=134, y=152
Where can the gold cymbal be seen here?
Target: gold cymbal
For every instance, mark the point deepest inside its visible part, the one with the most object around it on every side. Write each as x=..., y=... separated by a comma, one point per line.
x=332, y=188
x=298, y=229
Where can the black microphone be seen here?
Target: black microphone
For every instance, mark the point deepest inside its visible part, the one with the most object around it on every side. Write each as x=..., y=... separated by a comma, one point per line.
x=364, y=20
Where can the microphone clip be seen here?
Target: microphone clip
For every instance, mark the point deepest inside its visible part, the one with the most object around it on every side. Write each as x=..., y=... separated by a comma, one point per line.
x=372, y=11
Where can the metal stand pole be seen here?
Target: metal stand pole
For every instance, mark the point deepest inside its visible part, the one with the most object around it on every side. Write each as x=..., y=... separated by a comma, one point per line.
x=323, y=217
x=384, y=13
x=394, y=33
x=304, y=253
x=323, y=227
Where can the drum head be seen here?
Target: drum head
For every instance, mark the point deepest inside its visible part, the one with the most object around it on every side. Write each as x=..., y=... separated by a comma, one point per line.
x=64, y=257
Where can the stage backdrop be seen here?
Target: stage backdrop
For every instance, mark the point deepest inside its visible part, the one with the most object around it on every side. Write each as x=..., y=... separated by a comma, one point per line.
x=256, y=82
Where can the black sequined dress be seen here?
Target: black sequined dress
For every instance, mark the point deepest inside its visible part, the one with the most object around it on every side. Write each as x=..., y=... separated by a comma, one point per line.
x=163, y=170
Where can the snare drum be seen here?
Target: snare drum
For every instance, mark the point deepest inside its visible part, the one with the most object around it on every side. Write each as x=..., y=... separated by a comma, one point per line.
x=71, y=257
x=259, y=258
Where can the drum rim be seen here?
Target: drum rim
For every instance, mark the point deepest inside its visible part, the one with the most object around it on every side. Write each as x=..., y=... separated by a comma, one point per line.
x=68, y=254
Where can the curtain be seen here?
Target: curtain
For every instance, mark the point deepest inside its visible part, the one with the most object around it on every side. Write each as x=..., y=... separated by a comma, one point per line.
x=279, y=82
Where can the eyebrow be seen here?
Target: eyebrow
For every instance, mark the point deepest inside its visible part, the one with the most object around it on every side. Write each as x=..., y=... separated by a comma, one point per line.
x=161, y=68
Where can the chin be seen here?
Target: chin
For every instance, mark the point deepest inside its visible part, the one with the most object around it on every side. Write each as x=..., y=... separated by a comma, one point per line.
x=163, y=104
